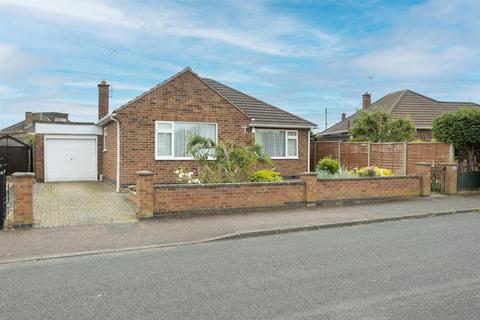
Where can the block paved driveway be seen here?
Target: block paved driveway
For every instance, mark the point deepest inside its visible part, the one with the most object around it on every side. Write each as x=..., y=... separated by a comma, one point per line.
x=79, y=203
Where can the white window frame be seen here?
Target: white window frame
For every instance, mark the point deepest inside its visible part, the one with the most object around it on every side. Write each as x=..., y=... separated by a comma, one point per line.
x=172, y=132
x=105, y=138
x=286, y=143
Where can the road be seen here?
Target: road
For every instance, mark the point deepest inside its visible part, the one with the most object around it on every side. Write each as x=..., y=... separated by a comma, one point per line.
x=415, y=269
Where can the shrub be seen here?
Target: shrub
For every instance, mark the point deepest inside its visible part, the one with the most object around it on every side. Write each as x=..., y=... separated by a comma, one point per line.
x=372, y=171
x=265, y=176
x=225, y=162
x=328, y=164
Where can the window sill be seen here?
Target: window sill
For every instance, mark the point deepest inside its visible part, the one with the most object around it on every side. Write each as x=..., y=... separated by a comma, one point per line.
x=284, y=158
x=104, y=150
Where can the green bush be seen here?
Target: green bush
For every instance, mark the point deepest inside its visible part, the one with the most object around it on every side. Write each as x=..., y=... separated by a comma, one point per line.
x=265, y=176
x=366, y=172
x=328, y=164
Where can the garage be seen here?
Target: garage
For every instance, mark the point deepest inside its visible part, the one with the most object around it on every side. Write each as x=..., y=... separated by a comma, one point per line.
x=70, y=159
x=66, y=152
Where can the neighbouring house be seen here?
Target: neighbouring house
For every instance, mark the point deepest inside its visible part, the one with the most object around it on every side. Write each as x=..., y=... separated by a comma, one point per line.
x=406, y=103
x=22, y=129
x=150, y=132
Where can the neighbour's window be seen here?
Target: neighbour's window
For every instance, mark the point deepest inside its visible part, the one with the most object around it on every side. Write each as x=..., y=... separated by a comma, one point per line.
x=171, y=138
x=278, y=143
x=105, y=139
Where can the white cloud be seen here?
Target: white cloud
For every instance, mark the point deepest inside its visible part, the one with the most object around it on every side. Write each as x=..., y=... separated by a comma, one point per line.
x=14, y=62
x=413, y=61
x=114, y=85
x=256, y=29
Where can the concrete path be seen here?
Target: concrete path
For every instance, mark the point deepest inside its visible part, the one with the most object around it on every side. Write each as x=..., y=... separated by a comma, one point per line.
x=79, y=203
x=32, y=243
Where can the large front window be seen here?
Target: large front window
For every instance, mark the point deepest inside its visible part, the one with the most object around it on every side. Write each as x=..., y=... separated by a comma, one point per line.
x=171, y=138
x=278, y=143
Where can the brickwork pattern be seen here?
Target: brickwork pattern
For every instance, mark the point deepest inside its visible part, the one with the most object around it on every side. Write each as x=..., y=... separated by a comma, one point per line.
x=108, y=158
x=197, y=198
x=379, y=187
x=178, y=198
x=23, y=199
x=38, y=157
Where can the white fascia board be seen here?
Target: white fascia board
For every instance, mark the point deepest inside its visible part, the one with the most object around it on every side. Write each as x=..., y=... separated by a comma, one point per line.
x=280, y=126
x=51, y=128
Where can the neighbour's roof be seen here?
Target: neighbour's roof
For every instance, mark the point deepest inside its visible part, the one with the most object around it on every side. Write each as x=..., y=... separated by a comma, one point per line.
x=406, y=103
x=46, y=117
x=259, y=112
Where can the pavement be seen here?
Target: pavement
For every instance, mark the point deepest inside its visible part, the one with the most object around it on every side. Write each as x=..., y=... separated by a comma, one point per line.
x=80, y=203
x=44, y=243
x=425, y=269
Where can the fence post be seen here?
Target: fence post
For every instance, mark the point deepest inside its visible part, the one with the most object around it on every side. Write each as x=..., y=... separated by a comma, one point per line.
x=145, y=196
x=451, y=178
x=424, y=170
x=310, y=179
x=23, y=199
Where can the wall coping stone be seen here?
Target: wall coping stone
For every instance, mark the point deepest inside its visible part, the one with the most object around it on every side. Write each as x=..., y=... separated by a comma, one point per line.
x=368, y=178
x=423, y=164
x=228, y=185
x=144, y=173
x=23, y=174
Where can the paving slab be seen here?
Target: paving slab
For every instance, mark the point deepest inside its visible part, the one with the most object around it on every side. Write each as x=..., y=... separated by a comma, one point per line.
x=47, y=242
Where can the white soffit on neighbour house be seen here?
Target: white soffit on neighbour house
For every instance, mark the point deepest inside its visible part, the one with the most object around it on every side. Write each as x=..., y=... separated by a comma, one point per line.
x=50, y=128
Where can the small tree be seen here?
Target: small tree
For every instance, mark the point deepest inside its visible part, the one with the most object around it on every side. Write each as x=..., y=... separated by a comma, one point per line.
x=381, y=126
x=225, y=162
x=462, y=129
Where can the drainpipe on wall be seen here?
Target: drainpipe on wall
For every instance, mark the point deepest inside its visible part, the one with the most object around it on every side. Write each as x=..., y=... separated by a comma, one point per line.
x=112, y=117
x=308, y=151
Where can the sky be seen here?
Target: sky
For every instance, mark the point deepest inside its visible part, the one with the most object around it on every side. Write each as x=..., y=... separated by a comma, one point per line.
x=302, y=56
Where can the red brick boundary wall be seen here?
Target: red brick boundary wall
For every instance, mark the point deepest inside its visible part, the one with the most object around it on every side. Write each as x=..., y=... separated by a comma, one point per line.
x=398, y=156
x=23, y=199
x=171, y=199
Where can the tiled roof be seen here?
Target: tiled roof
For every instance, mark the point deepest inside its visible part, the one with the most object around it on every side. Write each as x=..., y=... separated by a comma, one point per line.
x=406, y=103
x=258, y=111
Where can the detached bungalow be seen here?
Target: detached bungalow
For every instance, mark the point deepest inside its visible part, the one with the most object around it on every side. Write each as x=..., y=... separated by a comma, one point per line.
x=406, y=103
x=150, y=132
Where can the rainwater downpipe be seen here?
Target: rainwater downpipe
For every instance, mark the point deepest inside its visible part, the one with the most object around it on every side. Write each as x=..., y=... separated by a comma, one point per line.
x=112, y=117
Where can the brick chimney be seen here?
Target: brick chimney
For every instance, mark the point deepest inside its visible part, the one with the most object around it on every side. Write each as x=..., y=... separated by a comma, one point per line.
x=28, y=119
x=366, y=100
x=344, y=116
x=102, y=99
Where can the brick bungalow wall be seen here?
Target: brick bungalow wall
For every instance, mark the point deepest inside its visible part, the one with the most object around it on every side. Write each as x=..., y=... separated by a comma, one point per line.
x=184, y=98
x=109, y=157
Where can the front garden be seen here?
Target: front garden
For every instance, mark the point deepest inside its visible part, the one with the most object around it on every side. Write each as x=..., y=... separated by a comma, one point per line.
x=328, y=168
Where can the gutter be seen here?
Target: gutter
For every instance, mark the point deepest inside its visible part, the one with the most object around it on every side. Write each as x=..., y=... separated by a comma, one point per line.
x=285, y=126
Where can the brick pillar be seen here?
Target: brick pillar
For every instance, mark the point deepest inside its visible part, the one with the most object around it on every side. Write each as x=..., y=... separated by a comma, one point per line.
x=144, y=194
x=424, y=170
x=451, y=178
x=23, y=199
x=310, y=179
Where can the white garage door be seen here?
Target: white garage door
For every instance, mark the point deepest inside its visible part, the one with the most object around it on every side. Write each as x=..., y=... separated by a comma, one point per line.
x=70, y=159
